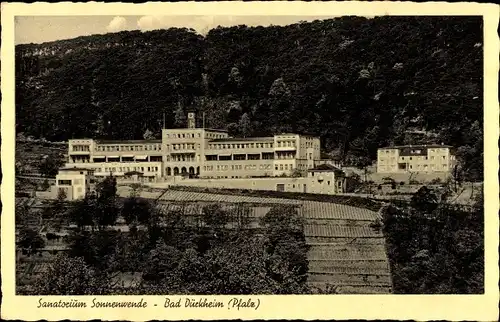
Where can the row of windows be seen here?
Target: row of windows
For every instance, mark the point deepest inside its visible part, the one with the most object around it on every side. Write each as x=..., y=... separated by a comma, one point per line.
x=286, y=155
x=182, y=146
x=311, y=145
x=414, y=158
x=128, y=169
x=193, y=135
x=393, y=151
x=431, y=166
x=81, y=148
x=64, y=182
x=282, y=144
x=282, y=167
x=183, y=135
x=113, y=148
x=437, y=150
x=248, y=167
x=240, y=157
x=422, y=158
x=240, y=146
x=182, y=158
x=423, y=167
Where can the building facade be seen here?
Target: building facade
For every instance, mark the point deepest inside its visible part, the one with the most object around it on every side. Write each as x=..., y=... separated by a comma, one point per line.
x=324, y=179
x=416, y=158
x=117, y=157
x=197, y=152
x=73, y=183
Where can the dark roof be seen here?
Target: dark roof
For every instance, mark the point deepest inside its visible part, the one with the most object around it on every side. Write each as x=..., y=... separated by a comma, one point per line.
x=126, y=141
x=74, y=169
x=326, y=167
x=269, y=138
x=420, y=146
x=216, y=130
x=131, y=173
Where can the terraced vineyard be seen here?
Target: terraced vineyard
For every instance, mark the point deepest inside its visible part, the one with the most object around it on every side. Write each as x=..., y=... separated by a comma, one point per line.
x=345, y=251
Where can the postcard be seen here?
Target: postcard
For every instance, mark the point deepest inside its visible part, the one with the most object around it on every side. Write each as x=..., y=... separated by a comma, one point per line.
x=250, y=160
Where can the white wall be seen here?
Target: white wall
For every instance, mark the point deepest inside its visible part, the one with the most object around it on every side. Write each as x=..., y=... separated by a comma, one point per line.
x=312, y=185
x=77, y=186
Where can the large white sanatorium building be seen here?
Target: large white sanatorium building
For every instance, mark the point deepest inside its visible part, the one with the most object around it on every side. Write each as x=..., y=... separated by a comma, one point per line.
x=200, y=152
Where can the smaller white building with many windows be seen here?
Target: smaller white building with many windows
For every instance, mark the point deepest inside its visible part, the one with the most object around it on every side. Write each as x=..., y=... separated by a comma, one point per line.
x=416, y=158
x=72, y=183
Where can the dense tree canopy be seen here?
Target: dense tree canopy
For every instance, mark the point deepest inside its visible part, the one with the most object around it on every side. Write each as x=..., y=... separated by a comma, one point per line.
x=358, y=83
x=177, y=254
x=435, y=248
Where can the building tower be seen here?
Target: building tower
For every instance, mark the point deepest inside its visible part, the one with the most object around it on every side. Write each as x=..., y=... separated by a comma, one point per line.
x=191, y=121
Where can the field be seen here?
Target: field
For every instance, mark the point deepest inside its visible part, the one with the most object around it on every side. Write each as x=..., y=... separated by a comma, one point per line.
x=345, y=251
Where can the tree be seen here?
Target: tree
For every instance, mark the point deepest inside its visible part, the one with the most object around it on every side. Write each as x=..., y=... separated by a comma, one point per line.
x=297, y=173
x=286, y=249
x=148, y=135
x=30, y=241
x=106, y=189
x=136, y=211
x=45, y=185
x=424, y=200
x=161, y=265
x=105, y=212
x=214, y=216
x=180, y=117
x=284, y=218
x=245, y=125
x=49, y=166
x=82, y=212
x=70, y=276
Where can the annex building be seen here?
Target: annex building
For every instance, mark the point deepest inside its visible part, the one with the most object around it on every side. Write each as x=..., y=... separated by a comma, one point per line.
x=196, y=152
x=416, y=158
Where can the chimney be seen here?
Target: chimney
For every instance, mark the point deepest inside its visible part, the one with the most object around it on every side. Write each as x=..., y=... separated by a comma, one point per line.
x=191, y=120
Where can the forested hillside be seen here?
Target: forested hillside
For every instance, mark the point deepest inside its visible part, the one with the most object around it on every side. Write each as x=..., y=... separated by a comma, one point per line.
x=358, y=83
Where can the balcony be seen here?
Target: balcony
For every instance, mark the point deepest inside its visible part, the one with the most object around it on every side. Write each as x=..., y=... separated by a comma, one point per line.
x=79, y=152
x=285, y=148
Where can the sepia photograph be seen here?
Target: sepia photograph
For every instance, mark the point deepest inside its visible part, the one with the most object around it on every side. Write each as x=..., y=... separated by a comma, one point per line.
x=204, y=155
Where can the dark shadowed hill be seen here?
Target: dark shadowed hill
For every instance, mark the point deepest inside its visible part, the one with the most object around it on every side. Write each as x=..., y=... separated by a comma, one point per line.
x=358, y=83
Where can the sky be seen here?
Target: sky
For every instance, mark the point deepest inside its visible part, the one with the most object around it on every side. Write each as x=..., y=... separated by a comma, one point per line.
x=39, y=29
